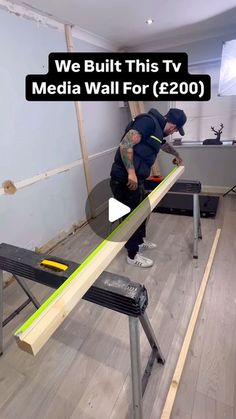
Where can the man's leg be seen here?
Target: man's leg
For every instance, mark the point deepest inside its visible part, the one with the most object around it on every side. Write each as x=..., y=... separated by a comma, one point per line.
x=141, y=230
x=131, y=198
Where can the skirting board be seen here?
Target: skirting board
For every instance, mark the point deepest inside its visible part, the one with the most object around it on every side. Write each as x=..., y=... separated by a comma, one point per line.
x=216, y=189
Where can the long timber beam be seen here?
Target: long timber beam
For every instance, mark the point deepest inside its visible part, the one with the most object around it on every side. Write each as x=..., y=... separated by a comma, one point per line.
x=36, y=331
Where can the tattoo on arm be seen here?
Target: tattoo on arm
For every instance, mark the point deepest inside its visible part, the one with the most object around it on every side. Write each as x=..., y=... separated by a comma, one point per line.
x=169, y=149
x=131, y=138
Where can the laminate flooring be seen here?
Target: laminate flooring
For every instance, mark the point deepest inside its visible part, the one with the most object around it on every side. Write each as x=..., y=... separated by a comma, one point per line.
x=83, y=372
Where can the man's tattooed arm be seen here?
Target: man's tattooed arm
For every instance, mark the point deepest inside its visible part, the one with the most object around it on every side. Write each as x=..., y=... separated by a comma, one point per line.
x=169, y=149
x=131, y=138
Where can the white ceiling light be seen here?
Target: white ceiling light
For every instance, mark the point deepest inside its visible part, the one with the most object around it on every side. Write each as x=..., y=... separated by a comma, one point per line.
x=149, y=21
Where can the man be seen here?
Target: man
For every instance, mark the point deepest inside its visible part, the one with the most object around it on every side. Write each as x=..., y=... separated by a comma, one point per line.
x=143, y=138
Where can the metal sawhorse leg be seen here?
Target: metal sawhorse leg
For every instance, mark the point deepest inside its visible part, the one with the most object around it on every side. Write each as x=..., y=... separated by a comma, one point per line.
x=109, y=290
x=184, y=186
x=31, y=299
x=196, y=224
x=139, y=382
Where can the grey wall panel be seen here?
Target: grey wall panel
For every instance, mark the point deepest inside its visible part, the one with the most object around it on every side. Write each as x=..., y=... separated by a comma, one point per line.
x=212, y=165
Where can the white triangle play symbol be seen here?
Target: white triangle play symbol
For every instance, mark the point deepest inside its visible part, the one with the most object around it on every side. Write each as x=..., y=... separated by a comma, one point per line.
x=116, y=210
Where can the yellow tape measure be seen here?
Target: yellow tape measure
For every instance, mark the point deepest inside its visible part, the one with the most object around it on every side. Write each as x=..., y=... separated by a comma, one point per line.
x=53, y=265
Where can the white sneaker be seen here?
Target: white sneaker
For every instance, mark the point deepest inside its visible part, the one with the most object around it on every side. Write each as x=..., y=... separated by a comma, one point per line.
x=146, y=245
x=140, y=261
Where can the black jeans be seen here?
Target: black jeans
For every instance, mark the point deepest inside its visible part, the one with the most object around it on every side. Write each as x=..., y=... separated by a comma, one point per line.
x=123, y=194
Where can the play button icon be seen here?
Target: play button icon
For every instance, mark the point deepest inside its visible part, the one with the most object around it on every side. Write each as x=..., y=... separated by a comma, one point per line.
x=116, y=210
x=108, y=210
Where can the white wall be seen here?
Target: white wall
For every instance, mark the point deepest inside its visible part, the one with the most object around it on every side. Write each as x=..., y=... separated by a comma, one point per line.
x=104, y=126
x=213, y=166
x=36, y=214
x=37, y=137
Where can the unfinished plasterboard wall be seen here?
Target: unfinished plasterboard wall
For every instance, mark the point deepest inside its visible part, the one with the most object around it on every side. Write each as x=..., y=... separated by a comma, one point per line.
x=104, y=124
x=39, y=137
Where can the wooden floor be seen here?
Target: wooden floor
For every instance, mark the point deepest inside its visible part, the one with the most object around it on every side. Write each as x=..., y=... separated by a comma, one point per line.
x=84, y=370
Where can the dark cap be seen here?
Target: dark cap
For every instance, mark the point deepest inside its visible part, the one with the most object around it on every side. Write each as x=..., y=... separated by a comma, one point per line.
x=177, y=116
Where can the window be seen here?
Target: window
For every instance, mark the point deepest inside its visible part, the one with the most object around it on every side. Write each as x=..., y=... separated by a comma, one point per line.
x=202, y=115
x=227, y=83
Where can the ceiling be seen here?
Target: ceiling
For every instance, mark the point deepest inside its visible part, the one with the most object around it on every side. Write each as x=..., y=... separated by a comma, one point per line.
x=122, y=22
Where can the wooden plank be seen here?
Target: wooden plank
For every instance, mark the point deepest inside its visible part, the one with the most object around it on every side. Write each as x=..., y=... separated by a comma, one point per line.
x=187, y=340
x=136, y=108
x=37, y=330
x=46, y=175
x=155, y=170
x=49, y=173
x=80, y=122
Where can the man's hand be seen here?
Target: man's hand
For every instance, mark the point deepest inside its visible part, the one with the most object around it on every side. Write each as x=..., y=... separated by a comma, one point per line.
x=167, y=147
x=177, y=161
x=132, y=180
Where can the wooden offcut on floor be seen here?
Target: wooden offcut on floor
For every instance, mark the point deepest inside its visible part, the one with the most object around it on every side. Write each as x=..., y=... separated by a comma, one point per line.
x=84, y=370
